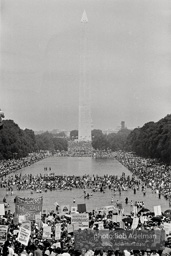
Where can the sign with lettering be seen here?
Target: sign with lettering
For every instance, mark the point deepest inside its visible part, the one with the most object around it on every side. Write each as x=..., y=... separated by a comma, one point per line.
x=23, y=236
x=47, y=232
x=28, y=207
x=81, y=218
x=3, y=233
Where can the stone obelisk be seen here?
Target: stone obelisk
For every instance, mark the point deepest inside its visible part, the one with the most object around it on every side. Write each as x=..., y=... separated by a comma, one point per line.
x=84, y=130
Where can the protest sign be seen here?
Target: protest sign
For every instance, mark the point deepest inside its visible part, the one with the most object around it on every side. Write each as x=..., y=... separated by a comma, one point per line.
x=81, y=218
x=101, y=226
x=28, y=207
x=2, y=209
x=64, y=209
x=81, y=208
x=26, y=225
x=47, y=232
x=119, y=239
x=23, y=236
x=167, y=227
x=122, y=224
x=142, y=219
x=3, y=233
x=157, y=210
x=73, y=209
x=114, y=218
x=117, y=218
x=58, y=231
x=134, y=210
x=70, y=228
x=135, y=222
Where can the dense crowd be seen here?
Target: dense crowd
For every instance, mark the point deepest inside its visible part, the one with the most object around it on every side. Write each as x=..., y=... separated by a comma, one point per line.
x=154, y=175
x=145, y=173
x=65, y=246
x=79, y=149
x=42, y=183
x=12, y=165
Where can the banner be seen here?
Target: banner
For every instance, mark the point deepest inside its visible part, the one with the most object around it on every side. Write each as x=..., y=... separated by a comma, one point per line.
x=47, y=232
x=119, y=239
x=3, y=233
x=23, y=236
x=28, y=207
x=2, y=209
x=81, y=218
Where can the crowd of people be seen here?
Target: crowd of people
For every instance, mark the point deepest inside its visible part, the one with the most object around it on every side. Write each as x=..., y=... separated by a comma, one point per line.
x=43, y=183
x=65, y=245
x=15, y=164
x=79, y=149
x=154, y=175
x=146, y=173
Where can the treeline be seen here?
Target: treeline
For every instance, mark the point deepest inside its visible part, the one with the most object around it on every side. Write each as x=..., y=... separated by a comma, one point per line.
x=113, y=141
x=14, y=142
x=153, y=140
x=18, y=143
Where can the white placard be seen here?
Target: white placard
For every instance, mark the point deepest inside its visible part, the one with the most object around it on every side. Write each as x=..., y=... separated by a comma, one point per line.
x=2, y=209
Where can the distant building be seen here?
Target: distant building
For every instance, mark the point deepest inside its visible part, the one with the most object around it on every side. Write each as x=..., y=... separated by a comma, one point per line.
x=123, y=125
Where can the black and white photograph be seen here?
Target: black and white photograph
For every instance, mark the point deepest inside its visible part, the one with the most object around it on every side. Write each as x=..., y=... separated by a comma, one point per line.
x=85, y=127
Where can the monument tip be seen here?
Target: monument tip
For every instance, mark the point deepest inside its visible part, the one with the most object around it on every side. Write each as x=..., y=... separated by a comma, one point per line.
x=84, y=17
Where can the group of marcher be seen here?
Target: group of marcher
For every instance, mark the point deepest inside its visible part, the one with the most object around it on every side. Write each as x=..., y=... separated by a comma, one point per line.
x=149, y=173
x=65, y=245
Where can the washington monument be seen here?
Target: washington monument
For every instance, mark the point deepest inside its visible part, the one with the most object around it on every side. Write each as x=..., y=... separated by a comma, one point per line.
x=84, y=130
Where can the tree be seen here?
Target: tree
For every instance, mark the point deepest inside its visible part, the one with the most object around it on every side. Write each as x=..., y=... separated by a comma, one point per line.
x=74, y=134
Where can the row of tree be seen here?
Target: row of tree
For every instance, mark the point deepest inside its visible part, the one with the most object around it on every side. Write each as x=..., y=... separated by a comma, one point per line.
x=18, y=143
x=153, y=140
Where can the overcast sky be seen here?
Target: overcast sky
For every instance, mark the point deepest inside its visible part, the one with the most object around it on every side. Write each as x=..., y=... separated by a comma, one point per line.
x=129, y=61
